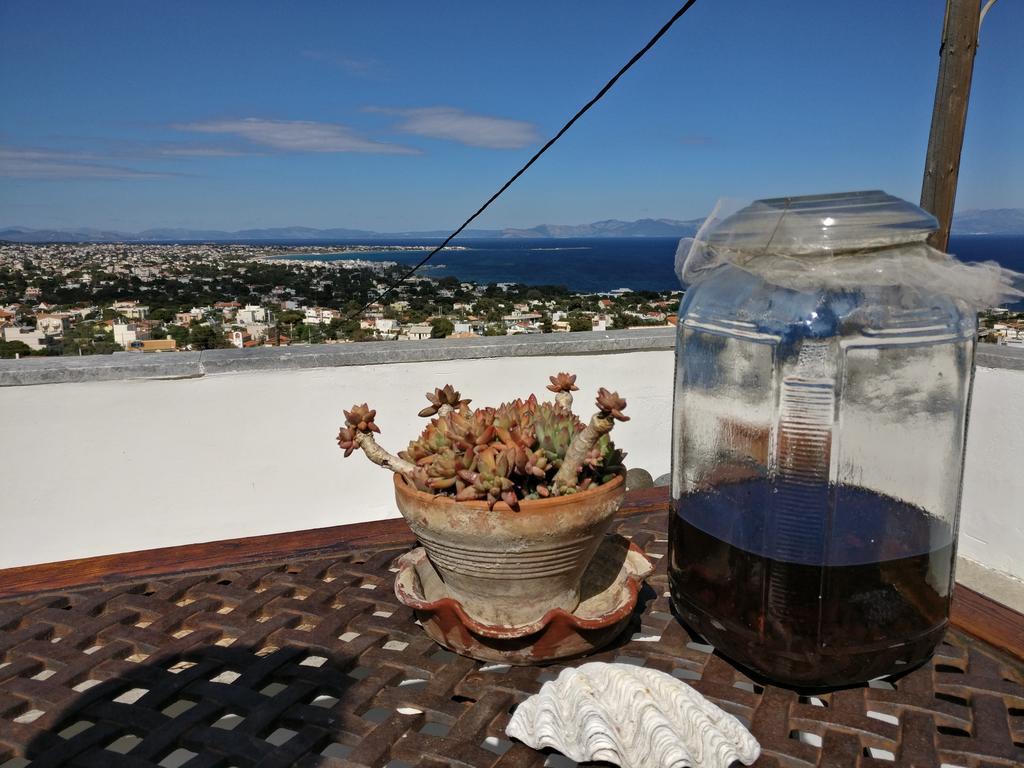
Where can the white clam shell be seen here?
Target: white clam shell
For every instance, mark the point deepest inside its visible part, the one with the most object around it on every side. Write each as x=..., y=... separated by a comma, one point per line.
x=633, y=717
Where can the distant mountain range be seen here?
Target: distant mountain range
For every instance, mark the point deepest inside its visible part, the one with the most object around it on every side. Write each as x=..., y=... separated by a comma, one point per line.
x=1000, y=221
x=608, y=228
x=995, y=221
x=612, y=228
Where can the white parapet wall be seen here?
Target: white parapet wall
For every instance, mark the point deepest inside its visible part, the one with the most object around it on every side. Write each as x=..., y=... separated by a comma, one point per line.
x=131, y=454
x=116, y=465
x=992, y=505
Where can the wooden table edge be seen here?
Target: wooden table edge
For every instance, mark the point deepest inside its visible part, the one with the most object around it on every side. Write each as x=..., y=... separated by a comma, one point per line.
x=230, y=553
x=972, y=611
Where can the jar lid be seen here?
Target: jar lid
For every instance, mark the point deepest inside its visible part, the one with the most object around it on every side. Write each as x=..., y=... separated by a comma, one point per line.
x=848, y=221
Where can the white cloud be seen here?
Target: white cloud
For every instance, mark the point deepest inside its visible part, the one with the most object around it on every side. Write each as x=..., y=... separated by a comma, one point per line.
x=49, y=164
x=464, y=127
x=298, y=136
x=360, y=67
x=187, y=150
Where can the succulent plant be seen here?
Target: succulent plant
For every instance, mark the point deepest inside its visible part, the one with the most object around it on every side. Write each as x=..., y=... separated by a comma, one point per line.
x=609, y=410
x=443, y=400
x=611, y=405
x=563, y=385
x=359, y=419
x=521, y=450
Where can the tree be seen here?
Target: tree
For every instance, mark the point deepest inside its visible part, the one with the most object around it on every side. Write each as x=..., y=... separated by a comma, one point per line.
x=580, y=323
x=494, y=330
x=8, y=349
x=179, y=334
x=441, y=327
x=105, y=348
x=206, y=337
x=314, y=334
x=350, y=329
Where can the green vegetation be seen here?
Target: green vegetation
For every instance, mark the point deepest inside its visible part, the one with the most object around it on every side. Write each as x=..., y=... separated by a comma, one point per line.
x=206, y=337
x=11, y=349
x=441, y=327
x=208, y=282
x=578, y=322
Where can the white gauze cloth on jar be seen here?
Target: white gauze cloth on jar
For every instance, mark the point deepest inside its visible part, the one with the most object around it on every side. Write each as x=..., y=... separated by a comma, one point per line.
x=840, y=242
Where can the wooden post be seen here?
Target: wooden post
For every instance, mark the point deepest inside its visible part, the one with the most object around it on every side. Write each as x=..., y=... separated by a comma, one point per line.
x=949, y=115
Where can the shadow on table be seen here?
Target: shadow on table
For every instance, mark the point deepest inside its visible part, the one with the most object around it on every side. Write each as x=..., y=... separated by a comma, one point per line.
x=216, y=705
x=238, y=703
x=247, y=706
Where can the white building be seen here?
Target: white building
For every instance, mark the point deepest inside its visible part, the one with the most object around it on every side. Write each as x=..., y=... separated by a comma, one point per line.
x=320, y=315
x=51, y=325
x=385, y=325
x=126, y=333
x=131, y=309
x=237, y=338
x=417, y=332
x=253, y=313
x=518, y=318
x=469, y=326
x=257, y=331
x=33, y=337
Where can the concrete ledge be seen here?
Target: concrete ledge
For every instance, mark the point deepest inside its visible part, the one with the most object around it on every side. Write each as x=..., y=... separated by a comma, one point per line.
x=1000, y=586
x=68, y=370
x=996, y=356
x=181, y=365
x=57, y=370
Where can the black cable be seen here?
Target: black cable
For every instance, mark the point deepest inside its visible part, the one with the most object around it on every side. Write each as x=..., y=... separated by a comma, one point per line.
x=582, y=111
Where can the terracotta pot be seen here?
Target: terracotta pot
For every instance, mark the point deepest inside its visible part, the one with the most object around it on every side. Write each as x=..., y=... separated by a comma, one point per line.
x=510, y=568
x=609, y=593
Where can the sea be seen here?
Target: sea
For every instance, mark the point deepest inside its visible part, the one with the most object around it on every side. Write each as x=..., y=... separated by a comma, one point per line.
x=595, y=265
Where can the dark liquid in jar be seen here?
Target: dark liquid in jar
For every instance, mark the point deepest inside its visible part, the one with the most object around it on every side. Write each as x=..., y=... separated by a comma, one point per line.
x=868, y=598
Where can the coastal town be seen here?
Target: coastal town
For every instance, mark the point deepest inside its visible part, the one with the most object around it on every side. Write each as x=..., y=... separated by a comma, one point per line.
x=104, y=298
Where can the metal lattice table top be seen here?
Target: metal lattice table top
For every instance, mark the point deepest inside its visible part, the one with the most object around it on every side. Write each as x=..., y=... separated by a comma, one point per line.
x=315, y=663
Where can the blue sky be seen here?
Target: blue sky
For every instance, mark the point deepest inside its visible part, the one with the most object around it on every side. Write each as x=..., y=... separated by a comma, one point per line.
x=403, y=115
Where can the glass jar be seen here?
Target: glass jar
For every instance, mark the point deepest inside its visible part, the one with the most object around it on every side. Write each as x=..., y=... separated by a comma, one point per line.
x=821, y=398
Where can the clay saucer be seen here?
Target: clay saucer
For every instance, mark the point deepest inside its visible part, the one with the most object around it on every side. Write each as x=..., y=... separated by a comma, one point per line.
x=608, y=594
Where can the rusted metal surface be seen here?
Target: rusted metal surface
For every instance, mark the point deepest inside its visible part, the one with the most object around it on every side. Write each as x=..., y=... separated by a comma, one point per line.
x=316, y=663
